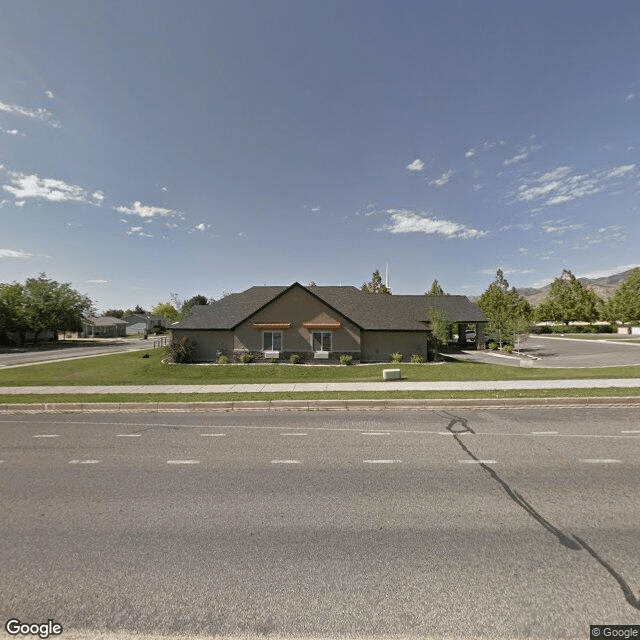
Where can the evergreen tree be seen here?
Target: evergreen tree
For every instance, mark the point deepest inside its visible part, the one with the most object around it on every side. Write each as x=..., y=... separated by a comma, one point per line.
x=568, y=301
x=436, y=289
x=375, y=285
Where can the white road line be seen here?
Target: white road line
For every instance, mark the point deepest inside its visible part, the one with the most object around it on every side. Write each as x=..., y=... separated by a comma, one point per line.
x=376, y=433
x=544, y=433
x=382, y=461
x=456, y=433
x=285, y=462
x=213, y=435
x=84, y=461
x=477, y=461
x=129, y=435
x=183, y=461
x=293, y=434
x=47, y=435
x=600, y=460
x=632, y=431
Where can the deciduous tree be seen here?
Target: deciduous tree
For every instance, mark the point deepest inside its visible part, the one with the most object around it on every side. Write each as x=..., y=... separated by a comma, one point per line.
x=624, y=305
x=568, y=301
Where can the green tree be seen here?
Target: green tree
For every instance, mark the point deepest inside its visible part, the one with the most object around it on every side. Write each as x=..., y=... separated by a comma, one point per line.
x=12, y=312
x=375, y=285
x=568, y=301
x=440, y=331
x=436, y=289
x=51, y=306
x=624, y=305
x=167, y=310
x=114, y=313
x=187, y=306
x=508, y=312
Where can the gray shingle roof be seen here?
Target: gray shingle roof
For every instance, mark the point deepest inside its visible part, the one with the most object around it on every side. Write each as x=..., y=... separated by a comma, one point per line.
x=105, y=321
x=374, y=312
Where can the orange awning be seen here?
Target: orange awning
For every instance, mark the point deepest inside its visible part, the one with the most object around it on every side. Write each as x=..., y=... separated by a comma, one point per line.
x=272, y=325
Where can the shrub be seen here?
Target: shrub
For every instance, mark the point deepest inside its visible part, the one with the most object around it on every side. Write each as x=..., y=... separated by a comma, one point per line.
x=158, y=331
x=396, y=357
x=493, y=346
x=246, y=358
x=294, y=358
x=223, y=360
x=508, y=348
x=416, y=358
x=346, y=360
x=181, y=350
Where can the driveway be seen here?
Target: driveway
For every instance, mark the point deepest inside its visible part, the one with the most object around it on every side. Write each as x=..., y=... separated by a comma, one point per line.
x=556, y=352
x=61, y=352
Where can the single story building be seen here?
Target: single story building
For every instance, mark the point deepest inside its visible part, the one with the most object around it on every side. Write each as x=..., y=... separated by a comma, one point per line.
x=139, y=324
x=320, y=323
x=104, y=327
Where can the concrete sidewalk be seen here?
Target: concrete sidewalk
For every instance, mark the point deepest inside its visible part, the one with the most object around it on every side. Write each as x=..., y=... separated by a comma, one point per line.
x=471, y=385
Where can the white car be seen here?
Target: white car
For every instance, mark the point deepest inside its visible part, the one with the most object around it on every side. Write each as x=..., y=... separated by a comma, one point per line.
x=470, y=335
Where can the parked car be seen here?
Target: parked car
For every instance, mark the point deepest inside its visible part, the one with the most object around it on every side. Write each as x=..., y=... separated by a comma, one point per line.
x=470, y=335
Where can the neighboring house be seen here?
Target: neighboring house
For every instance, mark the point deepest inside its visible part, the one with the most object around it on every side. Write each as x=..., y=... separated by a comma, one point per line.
x=320, y=323
x=138, y=323
x=103, y=327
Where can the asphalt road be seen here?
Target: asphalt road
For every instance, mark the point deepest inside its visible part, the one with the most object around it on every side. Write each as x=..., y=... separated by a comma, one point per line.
x=554, y=352
x=509, y=523
x=69, y=353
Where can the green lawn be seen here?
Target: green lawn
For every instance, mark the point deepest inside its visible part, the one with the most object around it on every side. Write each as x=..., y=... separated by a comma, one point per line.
x=132, y=368
x=338, y=395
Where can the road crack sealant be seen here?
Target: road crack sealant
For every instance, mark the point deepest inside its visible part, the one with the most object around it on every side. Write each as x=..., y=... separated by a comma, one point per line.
x=459, y=426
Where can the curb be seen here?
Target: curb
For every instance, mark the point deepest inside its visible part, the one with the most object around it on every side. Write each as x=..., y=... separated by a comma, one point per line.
x=319, y=405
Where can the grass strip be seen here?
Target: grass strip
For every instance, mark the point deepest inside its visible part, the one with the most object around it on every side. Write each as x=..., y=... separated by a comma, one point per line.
x=320, y=395
x=132, y=368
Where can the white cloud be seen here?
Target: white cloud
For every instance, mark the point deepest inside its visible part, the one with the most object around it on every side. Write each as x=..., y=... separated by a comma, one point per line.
x=558, y=186
x=163, y=188
x=469, y=153
x=506, y=272
x=442, y=180
x=20, y=203
x=416, y=165
x=523, y=153
x=34, y=114
x=97, y=281
x=12, y=132
x=405, y=221
x=315, y=209
x=24, y=186
x=49, y=94
x=629, y=97
x=559, y=226
x=603, y=273
x=147, y=211
x=13, y=253
x=138, y=231
x=612, y=234
x=201, y=227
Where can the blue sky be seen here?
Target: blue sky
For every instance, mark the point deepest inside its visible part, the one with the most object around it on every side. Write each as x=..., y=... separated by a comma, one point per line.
x=203, y=147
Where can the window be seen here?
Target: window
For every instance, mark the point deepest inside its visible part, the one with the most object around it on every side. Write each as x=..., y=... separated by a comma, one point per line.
x=272, y=340
x=321, y=340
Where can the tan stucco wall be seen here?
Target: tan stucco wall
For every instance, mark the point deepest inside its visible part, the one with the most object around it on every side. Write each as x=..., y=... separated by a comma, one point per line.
x=208, y=342
x=297, y=306
x=377, y=346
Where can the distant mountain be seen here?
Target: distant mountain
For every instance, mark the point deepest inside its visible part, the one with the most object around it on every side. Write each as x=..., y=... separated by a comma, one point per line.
x=603, y=287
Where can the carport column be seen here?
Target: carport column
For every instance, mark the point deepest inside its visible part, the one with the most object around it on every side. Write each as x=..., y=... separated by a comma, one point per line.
x=462, y=340
x=480, y=336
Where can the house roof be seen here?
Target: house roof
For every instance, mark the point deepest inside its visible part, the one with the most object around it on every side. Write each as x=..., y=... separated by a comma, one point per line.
x=104, y=321
x=373, y=312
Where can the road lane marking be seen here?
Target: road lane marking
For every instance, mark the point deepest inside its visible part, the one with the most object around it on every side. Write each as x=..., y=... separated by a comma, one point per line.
x=376, y=433
x=183, y=461
x=285, y=462
x=631, y=431
x=544, y=433
x=293, y=434
x=129, y=435
x=382, y=461
x=47, y=435
x=477, y=461
x=600, y=460
x=84, y=461
x=213, y=435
